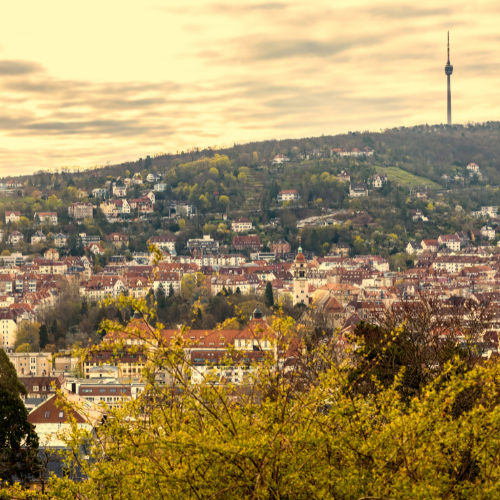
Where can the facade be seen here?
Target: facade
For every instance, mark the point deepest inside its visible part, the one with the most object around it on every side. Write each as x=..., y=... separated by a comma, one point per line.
x=358, y=190
x=8, y=329
x=60, y=240
x=47, y=217
x=38, y=237
x=12, y=216
x=142, y=204
x=241, y=225
x=119, y=191
x=203, y=246
x=280, y=159
x=15, y=237
x=161, y=186
x=117, y=239
x=80, y=211
x=473, y=167
x=252, y=242
x=163, y=242
x=288, y=195
x=451, y=241
x=488, y=232
x=280, y=248
x=182, y=209
x=51, y=254
x=300, y=283
x=36, y=364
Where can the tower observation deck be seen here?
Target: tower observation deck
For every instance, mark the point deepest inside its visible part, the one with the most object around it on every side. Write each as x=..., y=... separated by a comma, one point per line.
x=448, y=69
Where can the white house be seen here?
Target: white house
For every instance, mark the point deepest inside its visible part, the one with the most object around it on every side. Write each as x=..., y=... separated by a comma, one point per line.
x=38, y=237
x=240, y=225
x=153, y=177
x=473, y=167
x=12, y=216
x=50, y=217
x=488, y=232
x=151, y=196
x=60, y=240
x=358, y=190
x=288, y=195
x=161, y=186
x=279, y=159
x=119, y=191
x=451, y=241
x=15, y=237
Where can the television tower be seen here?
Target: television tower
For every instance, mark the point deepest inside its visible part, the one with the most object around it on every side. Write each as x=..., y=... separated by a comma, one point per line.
x=448, y=69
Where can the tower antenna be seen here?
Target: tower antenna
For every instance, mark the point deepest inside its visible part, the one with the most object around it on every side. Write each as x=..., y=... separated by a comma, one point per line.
x=448, y=47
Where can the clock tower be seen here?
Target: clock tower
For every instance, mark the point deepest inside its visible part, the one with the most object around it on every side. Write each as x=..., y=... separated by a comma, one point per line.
x=300, y=284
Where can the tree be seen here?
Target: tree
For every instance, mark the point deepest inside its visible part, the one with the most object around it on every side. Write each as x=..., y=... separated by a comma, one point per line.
x=26, y=347
x=44, y=336
x=18, y=439
x=224, y=200
x=147, y=162
x=269, y=295
x=28, y=333
x=171, y=290
x=255, y=158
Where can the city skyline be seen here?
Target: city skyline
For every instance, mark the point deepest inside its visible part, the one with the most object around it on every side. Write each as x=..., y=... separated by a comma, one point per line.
x=126, y=80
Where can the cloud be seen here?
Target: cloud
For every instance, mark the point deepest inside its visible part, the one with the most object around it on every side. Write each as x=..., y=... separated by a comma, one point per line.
x=226, y=8
x=408, y=12
x=15, y=68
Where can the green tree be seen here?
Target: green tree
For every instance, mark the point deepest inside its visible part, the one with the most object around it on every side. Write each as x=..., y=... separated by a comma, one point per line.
x=269, y=295
x=18, y=439
x=44, y=336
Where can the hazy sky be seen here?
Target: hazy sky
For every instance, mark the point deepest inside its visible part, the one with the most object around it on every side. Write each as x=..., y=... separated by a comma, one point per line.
x=84, y=83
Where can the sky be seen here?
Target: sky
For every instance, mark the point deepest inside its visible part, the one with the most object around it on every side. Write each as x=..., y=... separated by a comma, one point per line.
x=87, y=83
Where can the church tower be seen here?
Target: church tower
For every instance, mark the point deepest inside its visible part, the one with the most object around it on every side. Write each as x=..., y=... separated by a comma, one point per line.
x=300, y=284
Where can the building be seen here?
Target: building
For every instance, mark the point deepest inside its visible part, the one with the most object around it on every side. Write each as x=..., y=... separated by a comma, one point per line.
x=280, y=248
x=117, y=239
x=473, y=168
x=119, y=191
x=166, y=279
x=288, y=195
x=153, y=177
x=451, y=241
x=252, y=242
x=488, y=232
x=241, y=225
x=202, y=246
x=300, y=283
x=38, y=237
x=414, y=248
x=142, y=204
x=12, y=216
x=430, y=245
x=15, y=237
x=378, y=180
x=357, y=190
x=60, y=240
x=8, y=329
x=100, y=193
x=280, y=159
x=448, y=69
x=80, y=211
x=182, y=209
x=46, y=217
x=51, y=254
x=161, y=186
x=36, y=364
x=164, y=242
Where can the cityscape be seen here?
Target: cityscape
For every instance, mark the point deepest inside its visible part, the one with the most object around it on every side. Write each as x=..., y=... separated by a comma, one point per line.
x=307, y=316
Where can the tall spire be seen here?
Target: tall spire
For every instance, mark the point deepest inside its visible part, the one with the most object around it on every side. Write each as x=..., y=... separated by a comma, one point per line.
x=448, y=69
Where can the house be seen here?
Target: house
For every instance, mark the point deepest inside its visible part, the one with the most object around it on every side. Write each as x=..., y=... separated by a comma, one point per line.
x=100, y=193
x=240, y=225
x=153, y=177
x=378, y=180
x=344, y=177
x=357, y=190
x=473, y=168
x=161, y=186
x=46, y=217
x=280, y=159
x=119, y=190
x=38, y=237
x=12, y=216
x=150, y=195
x=242, y=242
x=164, y=242
x=335, y=151
x=488, y=232
x=451, y=241
x=137, y=179
x=203, y=246
x=60, y=240
x=15, y=237
x=430, y=245
x=11, y=184
x=80, y=211
x=280, y=248
x=288, y=195
x=418, y=215
x=95, y=249
x=117, y=239
x=414, y=248
x=51, y=254
x=182, y=209
x=142, y=204
x=421, y=196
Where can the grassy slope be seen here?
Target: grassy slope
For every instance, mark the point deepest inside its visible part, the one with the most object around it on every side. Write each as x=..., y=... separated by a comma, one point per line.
x=399, y=176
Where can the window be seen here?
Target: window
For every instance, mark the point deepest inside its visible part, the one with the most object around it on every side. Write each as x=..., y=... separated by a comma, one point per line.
x=35, y=388
x=112, y=390
x=123, y=390
x=61, y=414
x=47, y=414
x=44, y=387
x=102, y=390
x=86, y=390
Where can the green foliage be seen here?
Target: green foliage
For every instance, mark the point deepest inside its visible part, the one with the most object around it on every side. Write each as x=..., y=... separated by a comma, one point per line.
x=269, y=295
